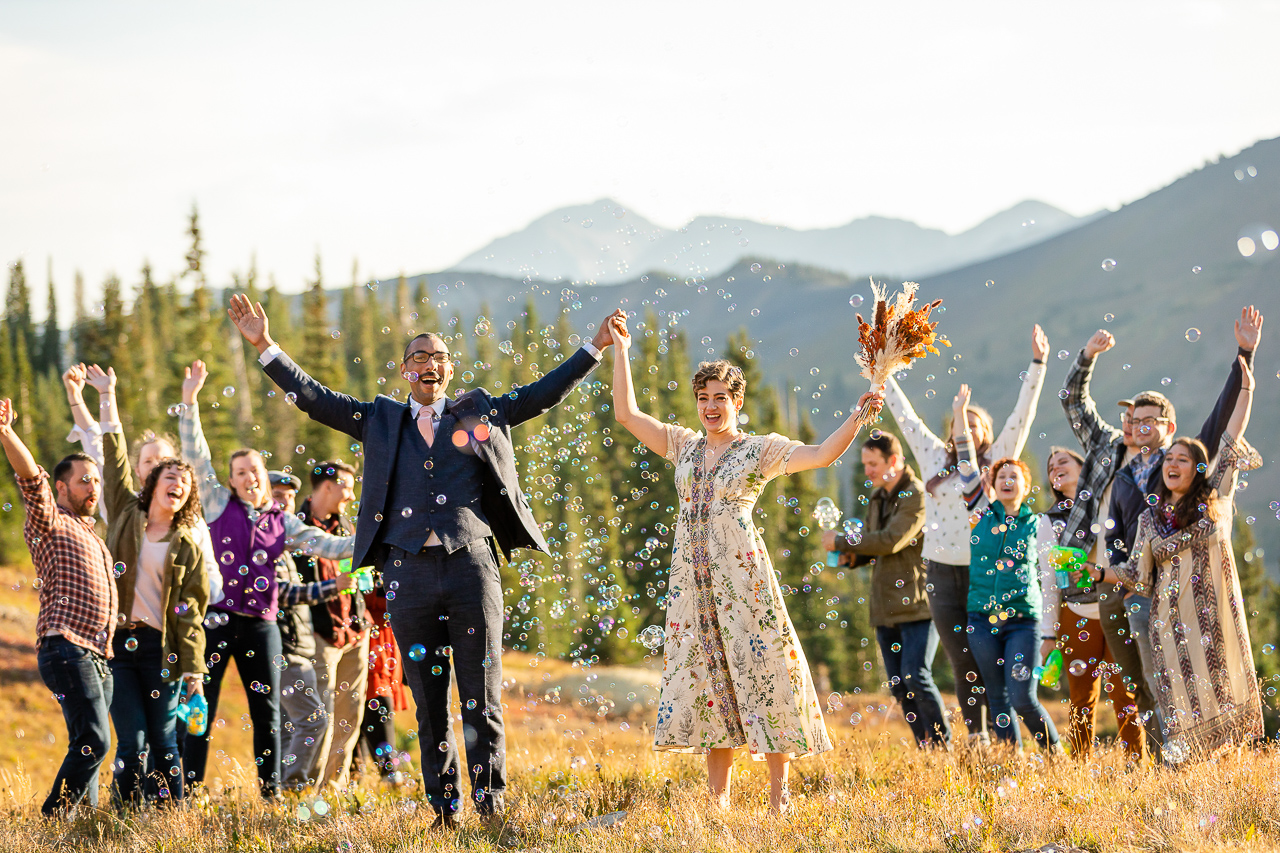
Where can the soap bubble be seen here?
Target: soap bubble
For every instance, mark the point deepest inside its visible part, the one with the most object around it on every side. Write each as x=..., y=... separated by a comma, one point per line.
x=856, y=300
x=417, y=651
x=1109, y=264
x=131, y=644
x=261, y=584
x=755, y=268
x=1077, y=667
x=260, y=557
x=1021, y=672
x=651, y=637
x=1003, y=721
x=229, y=391
x=1193, y=334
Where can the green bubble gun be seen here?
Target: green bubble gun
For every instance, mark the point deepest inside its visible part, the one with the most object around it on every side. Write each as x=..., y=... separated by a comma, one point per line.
x=364, y=576
x=1049, y=674
x=1067, y=560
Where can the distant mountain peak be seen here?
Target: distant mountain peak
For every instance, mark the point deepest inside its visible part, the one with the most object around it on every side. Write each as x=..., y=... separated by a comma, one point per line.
x=606, y=242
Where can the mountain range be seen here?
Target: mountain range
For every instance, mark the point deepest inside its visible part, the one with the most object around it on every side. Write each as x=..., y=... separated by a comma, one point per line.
x=606, y=243
x=1167, y=275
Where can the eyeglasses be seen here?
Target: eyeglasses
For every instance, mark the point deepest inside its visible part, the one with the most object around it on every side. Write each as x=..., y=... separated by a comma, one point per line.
x=424, y=357
x=1146, y=422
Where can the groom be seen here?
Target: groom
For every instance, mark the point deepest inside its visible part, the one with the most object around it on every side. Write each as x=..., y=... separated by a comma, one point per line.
x=439, y=489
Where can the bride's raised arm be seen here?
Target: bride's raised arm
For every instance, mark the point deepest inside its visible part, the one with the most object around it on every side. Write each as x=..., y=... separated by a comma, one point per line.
x=645, y=427
x=809, y=456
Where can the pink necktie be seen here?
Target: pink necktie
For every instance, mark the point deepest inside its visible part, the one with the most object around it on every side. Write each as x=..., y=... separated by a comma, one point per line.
x=426, y=425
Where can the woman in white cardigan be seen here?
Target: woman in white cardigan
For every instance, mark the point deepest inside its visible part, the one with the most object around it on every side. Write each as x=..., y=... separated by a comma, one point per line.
x=946, y=528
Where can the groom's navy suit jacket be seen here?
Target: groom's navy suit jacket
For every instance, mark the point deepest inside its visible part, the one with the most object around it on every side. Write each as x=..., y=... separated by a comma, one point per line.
x=381, y=426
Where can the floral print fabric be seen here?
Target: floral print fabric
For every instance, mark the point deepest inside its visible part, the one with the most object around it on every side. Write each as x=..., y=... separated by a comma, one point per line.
x=733, y=671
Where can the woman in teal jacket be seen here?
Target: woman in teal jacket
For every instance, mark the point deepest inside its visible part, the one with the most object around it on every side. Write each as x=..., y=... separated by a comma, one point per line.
x=1007, y=616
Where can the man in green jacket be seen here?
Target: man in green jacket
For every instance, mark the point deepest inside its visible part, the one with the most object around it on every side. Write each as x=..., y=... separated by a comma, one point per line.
x=892, y=543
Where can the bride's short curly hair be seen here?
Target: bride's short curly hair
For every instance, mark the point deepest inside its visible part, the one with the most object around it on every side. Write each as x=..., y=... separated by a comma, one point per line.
x=722, y=371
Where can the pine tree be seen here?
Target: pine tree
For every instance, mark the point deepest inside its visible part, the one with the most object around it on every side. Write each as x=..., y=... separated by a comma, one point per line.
x=50, y=360
x=320, y=358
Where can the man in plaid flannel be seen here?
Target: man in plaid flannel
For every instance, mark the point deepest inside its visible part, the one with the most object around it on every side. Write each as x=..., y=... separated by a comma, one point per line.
x=77, y=607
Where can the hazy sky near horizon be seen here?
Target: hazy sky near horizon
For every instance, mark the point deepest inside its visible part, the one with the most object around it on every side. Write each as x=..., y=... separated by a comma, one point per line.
x=407, y=135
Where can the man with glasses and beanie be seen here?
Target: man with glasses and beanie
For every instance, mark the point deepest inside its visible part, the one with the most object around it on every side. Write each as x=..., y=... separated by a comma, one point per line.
x=440, y=496
x=1121, y=466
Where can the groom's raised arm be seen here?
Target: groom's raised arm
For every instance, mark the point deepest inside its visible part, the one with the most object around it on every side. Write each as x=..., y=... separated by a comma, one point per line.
x=337, y=411
x=537, y=398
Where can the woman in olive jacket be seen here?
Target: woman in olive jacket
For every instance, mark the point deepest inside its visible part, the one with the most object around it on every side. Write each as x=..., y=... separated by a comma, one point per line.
x=163, y=590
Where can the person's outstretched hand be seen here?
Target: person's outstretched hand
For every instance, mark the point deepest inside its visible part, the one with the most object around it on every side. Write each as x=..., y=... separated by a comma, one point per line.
x=251, y=320
x=872, y=401
x=193, y=380
x=1039, y=343
x=73, y=380
x=1249, y=328
x=1101, y=341
x=102, y=381
x=6, y=414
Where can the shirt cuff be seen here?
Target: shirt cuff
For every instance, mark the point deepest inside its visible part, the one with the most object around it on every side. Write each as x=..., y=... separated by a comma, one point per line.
x=82, y=435
x=591, y=350
x=269, y=354
x=110, y=427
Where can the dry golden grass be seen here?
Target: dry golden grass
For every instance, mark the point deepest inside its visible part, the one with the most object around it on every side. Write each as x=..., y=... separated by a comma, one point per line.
x=567, y=765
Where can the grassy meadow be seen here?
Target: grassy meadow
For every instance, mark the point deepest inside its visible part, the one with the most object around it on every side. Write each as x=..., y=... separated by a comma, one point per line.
x=569, y=763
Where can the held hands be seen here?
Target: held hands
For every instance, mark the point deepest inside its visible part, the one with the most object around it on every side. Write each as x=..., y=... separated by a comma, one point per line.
x=1039, y=343
x=604, y=335
x=617, y=326
x=1101, y=341
x=102, y=382
x=251, y=320
x=1249, y=328
x=193, y=380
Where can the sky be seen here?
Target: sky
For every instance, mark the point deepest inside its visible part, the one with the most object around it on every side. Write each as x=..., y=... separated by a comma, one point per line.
x=403, y=136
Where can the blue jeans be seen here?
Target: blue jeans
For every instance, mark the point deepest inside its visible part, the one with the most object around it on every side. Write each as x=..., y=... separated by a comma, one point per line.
x=82, y=682
x=1007, y=652
x=145, y=712
x=255, y=643
x=910, y=670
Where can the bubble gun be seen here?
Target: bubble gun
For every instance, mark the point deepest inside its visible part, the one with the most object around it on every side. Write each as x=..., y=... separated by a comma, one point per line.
x=1066, y=560
x=364, y=576
x=1049, y=674
x=195, y=713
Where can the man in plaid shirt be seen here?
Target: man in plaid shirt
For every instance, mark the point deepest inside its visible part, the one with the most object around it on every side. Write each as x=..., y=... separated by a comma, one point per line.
x=78, y=607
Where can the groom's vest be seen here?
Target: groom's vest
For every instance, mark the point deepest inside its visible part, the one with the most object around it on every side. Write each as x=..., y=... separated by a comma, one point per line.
x=441, y=487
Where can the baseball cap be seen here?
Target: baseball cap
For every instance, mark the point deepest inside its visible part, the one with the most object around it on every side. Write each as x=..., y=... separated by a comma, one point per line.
x=1150, y=398
x=280, y=478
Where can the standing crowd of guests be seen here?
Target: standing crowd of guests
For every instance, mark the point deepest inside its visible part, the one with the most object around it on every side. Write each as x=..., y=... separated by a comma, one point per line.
x=1151, y=606
x=153, y=576
x=157, y=570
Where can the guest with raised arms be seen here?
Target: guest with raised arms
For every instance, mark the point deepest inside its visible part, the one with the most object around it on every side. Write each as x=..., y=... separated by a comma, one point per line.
x=1011, y=626
x=159, y=644
x=149, y=449
x=78, y=605
x=946, y=528
x=734, y=674
x=1182, y=557
x=250, y=532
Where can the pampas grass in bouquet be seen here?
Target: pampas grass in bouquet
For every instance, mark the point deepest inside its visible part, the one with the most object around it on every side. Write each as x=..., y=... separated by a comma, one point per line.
x=897, y=335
